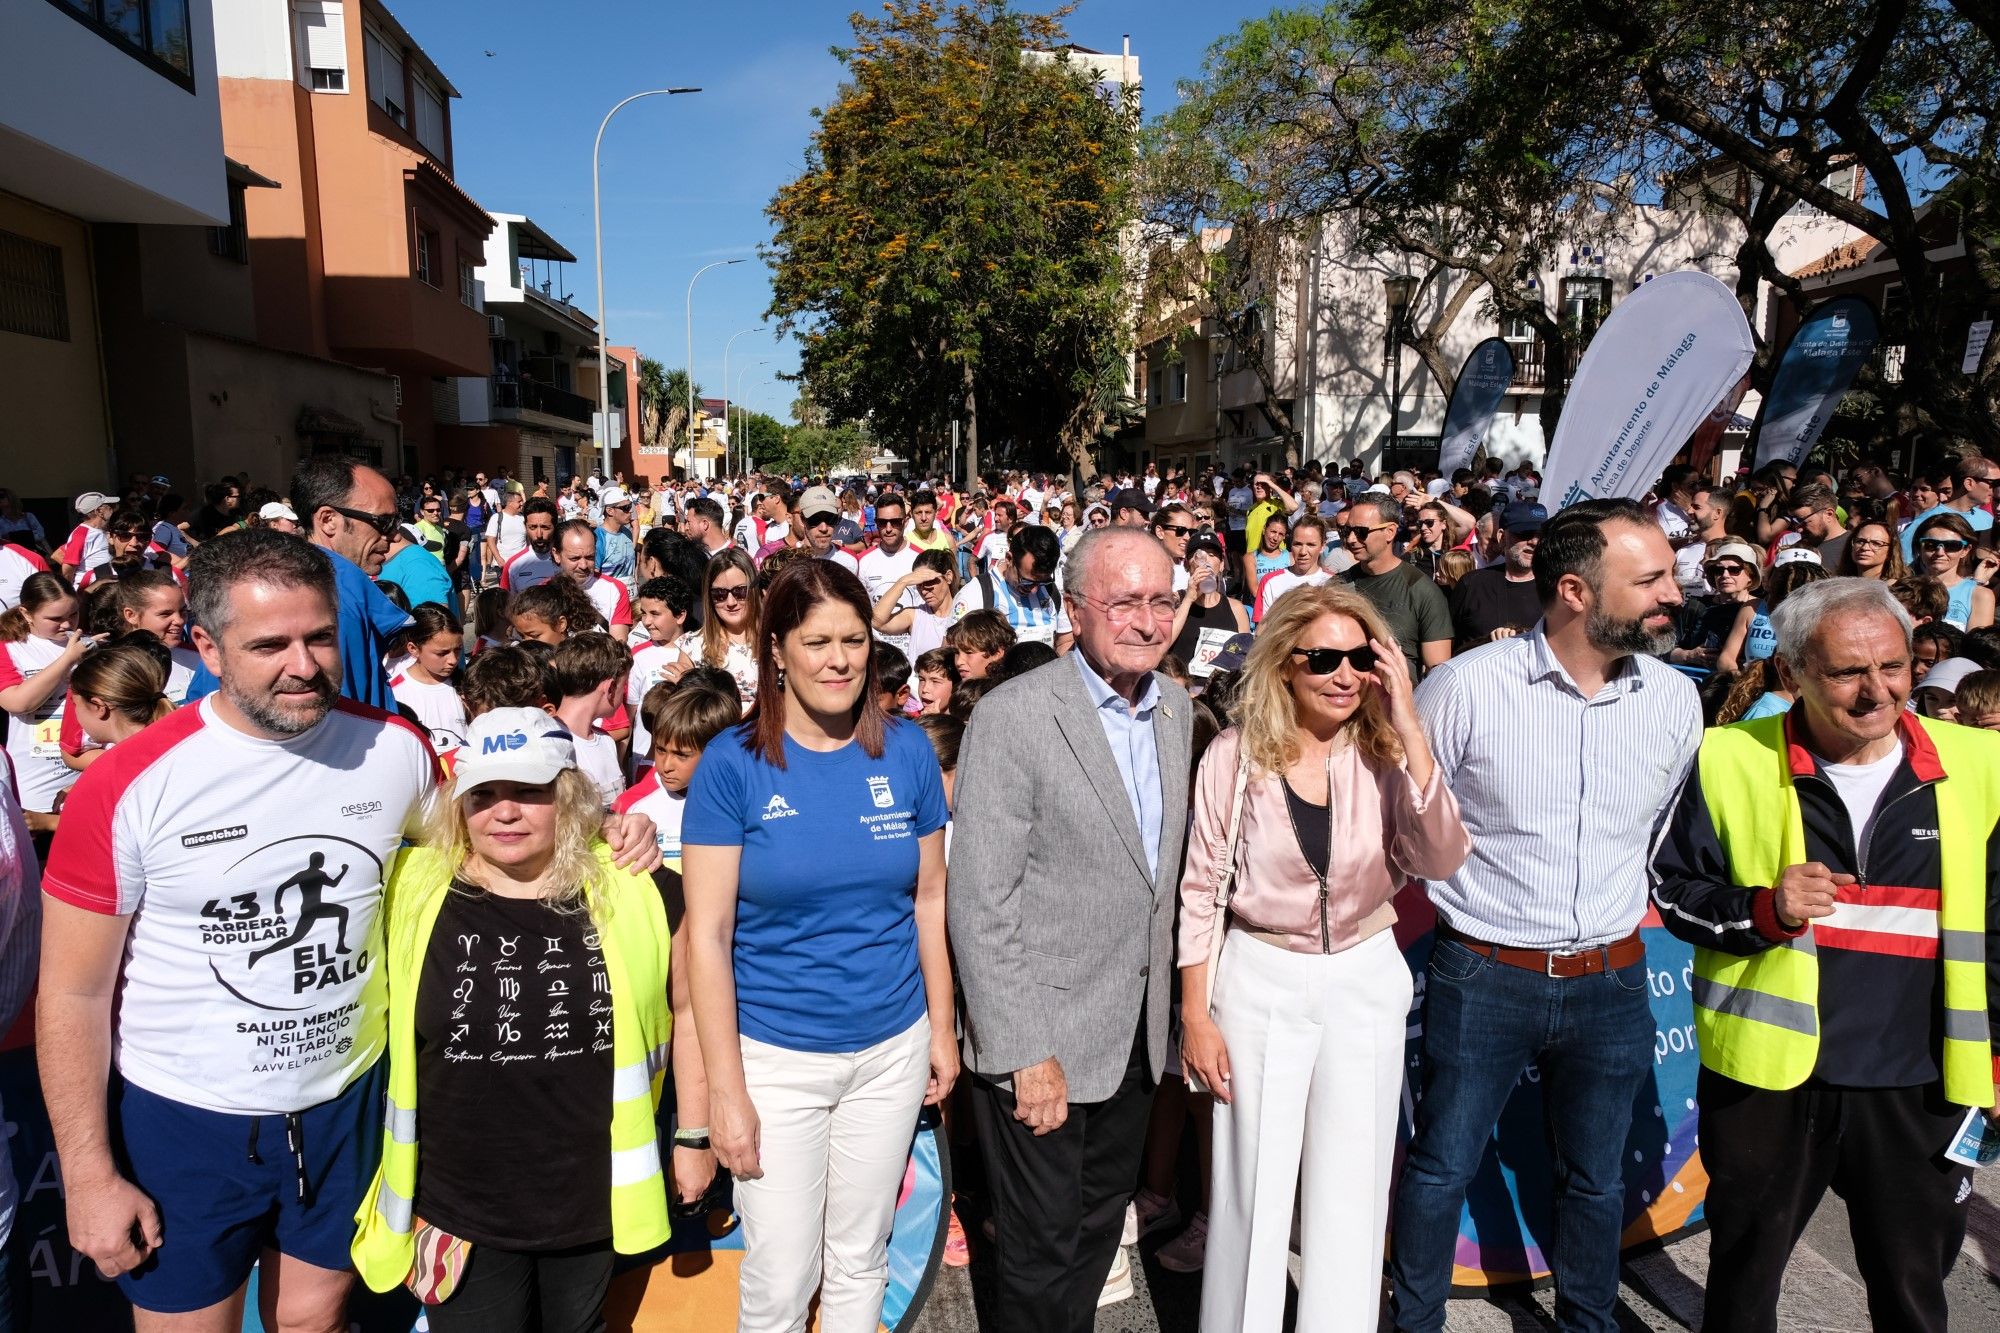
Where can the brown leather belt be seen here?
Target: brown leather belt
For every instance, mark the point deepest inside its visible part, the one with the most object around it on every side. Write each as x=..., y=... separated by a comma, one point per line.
x=1572, y=963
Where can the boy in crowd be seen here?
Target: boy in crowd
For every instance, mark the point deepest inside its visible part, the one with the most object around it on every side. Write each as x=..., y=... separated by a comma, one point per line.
x=504, y=676
x=681, y=719
x=977, y=642
x=892, y=678
x=936, y=675
x=585, y=684
x=662, y=609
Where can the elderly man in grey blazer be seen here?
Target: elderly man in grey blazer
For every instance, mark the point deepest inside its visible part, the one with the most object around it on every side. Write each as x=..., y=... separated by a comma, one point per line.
x=1065, y=860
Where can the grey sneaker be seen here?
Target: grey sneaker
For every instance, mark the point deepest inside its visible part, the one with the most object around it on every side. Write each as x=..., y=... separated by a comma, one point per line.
x=1185, y=1252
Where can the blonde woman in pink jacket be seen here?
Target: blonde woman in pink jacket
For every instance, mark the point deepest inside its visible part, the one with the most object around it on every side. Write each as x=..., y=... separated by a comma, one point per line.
x=1295, y=996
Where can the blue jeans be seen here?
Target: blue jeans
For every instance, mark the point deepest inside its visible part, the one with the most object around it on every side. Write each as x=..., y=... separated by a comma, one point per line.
x=1484, y=1023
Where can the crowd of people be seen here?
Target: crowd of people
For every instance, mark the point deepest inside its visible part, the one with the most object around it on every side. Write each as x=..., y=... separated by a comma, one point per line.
x=461, y=883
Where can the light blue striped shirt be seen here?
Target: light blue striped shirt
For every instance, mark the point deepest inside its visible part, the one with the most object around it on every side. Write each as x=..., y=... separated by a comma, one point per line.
x=1134, y=748
x=1563, y=795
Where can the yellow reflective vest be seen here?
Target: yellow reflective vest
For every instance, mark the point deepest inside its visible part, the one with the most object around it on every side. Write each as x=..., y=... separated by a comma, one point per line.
x=631, y=925
x=1756, y=1017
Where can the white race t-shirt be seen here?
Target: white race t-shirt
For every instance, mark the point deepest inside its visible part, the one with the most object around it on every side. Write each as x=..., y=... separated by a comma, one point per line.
x=16, y=564
x=509, y=533
x=611, y=598
x=252, y=870
x=661, y=806
x=649, y=667
x=437, y=706
x=597, y=758
x=526, y=569
x=34, y=739
x=1279, y=582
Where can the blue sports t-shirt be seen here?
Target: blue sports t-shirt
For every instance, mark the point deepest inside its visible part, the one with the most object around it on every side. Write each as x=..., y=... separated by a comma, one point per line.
x=826, y=926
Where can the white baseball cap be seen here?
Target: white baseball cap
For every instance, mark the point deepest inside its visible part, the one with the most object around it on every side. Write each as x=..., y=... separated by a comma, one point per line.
x=1948, y=675
x=614, y=495
x=92, y=501
x=513, y=745
x=277, y=509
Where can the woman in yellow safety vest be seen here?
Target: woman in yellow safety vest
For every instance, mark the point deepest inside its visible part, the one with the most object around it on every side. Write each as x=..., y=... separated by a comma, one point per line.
x=528, y=1018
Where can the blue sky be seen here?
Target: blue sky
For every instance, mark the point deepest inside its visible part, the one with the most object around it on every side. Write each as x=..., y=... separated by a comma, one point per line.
x=686, y=179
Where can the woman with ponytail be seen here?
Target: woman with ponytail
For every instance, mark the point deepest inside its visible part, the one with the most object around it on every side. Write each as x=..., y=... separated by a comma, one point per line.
x=121, y=689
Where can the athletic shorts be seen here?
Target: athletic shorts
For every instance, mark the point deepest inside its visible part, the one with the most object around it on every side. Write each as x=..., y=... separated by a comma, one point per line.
x=228, y=1187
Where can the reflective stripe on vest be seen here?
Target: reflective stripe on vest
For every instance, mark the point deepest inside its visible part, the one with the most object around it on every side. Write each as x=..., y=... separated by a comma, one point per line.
x=1757, y=1017
x=635, y=945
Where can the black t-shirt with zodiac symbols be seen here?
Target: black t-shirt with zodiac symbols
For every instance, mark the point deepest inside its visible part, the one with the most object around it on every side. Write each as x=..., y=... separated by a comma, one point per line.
x=514, y=1075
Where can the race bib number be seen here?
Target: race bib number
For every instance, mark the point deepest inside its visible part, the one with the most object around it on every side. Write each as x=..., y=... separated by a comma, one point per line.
x=1207, y=646
x=47, y=740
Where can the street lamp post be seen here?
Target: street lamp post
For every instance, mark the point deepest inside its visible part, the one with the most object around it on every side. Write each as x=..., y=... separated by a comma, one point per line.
x=1400, y=289
x=743, y=454
x=597, y=233
x=720, y=263
x=729, y=440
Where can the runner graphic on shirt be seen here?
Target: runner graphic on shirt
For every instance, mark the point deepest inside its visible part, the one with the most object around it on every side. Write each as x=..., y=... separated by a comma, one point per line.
x=311, y=883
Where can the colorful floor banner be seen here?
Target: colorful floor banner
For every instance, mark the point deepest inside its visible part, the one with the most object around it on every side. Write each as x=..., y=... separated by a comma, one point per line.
x=1658, y=366
x=1507, y=1229
x=1819, y=364
x=1482, y=383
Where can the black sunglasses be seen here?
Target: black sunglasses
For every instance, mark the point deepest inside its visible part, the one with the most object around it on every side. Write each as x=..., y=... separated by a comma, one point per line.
x=720, y=595
x=382, y=523
x=1326, y=661
x=1352, y=530
x=1177, y=529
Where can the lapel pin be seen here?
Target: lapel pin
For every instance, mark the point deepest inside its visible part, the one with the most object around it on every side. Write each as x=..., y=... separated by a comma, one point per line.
x=1168, y=711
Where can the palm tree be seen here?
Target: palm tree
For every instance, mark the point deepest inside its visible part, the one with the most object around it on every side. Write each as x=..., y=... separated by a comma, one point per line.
x=663, y=400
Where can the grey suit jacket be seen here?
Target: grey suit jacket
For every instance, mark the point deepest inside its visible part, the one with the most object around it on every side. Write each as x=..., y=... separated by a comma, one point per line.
x=1061, y=937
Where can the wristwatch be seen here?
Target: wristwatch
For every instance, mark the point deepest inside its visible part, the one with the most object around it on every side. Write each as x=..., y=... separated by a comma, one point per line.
x=691, y=1138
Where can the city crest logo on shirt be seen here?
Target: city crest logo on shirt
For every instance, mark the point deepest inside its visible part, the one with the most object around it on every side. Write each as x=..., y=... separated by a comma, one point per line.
x=777, y=808
x=878, y=788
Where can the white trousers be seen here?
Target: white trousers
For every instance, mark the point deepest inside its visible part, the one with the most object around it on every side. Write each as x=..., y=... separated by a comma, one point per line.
x=1316, y=1062
x=834, y=1138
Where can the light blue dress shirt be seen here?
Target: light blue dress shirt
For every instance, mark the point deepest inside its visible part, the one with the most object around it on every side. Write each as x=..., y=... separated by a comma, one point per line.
x=1134, y=749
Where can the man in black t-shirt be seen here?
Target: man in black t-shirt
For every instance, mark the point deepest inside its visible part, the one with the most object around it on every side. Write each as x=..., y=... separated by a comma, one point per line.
x=1500, y=601
x=457, y=541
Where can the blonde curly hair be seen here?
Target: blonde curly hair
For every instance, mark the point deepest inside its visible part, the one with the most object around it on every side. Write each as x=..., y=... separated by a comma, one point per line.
x=576, y=876
x=1265, y=711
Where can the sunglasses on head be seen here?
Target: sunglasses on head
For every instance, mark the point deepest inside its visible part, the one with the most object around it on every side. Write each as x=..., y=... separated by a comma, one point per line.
x=1326, y=661
x=740, y=593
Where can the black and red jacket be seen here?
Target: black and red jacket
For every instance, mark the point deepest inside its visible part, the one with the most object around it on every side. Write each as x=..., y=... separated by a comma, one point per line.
x=1881, y=986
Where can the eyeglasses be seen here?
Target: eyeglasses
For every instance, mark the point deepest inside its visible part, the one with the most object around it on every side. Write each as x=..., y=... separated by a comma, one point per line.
x=1177, y=529
x=1326, y=661
x=1802, y=517
x=739, y=593
x=1126, y=610
x=1953, y=545
x=1353, y=532
x=382, y=523
x=1867, y=543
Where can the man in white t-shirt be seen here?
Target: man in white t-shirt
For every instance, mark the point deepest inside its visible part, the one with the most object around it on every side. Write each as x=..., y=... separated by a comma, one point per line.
x=506, y=531
x=892, y=558
x=819, y=514
x=576, y=558
x=210, y=929
x=535, y=563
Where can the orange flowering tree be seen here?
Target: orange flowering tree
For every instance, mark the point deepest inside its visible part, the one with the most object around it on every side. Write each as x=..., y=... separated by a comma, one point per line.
x=952, y=250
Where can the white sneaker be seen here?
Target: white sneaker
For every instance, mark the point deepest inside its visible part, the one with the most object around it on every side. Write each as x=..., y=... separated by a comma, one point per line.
x=1130, y=1235
x=1156, y=1213
x=1186, y=1252
x=1117, y=1283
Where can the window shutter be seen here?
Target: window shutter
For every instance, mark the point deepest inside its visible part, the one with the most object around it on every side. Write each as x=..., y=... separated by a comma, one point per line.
x=323, y=34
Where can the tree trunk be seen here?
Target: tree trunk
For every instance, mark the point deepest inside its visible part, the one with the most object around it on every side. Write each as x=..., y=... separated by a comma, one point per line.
x=971, y=430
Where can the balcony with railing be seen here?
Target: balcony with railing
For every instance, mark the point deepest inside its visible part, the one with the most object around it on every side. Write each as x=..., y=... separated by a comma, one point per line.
x=512, y=398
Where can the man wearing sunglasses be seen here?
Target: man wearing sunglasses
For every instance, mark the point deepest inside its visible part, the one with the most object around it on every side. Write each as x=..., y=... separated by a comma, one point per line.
x=1972, y=479
x=1021, y=587
x=348, y=510
x=1408, y=599
x=1813, y=513
x=819, y=515
x=1500, y=601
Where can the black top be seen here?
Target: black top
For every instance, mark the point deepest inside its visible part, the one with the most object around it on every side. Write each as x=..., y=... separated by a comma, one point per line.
x=1486, y=600
x=1199, y=618
x=514, y=1075
x=1314, y=828
x=456, y=535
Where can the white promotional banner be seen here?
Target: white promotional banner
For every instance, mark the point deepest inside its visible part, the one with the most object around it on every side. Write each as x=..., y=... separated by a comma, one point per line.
x=1657, y=367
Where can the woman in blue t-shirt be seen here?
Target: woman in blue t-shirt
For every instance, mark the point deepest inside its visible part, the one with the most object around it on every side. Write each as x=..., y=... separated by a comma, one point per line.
x=813, y=857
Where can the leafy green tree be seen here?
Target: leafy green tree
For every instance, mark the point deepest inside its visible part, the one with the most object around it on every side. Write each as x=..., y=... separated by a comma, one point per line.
x=663, y=400
x=762, y=433
x=952, y=248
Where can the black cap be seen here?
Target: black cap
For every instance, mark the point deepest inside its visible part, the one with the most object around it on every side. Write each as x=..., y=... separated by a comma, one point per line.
x=1132, y=498
x=1523, y=520
x=1234, y=653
